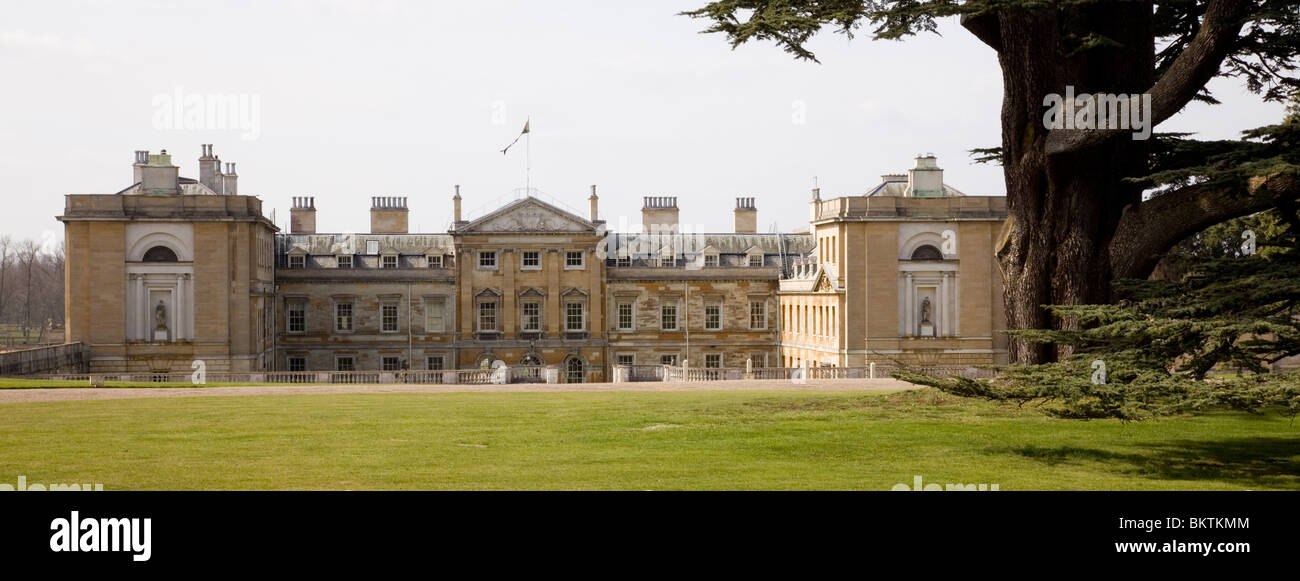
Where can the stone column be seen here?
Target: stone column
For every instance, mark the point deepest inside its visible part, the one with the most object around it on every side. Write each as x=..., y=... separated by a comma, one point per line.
x=507, y=316
x=942, y=310
x=956, y=305
x=180, y=331
x=142, y=313
x=132, y=304
x=909, y=308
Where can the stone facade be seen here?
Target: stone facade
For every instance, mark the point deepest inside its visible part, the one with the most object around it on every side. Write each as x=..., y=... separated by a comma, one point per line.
x=531, y=284
x=173, y=270
x=904, y=274
x=169, y=272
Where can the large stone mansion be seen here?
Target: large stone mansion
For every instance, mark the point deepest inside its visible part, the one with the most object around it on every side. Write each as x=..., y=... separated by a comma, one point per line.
x=171, y=270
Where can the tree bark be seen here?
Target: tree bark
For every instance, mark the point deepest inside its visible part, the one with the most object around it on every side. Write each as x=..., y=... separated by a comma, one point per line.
x=1063, y=209
x=1073, y=223
x=1147, y=230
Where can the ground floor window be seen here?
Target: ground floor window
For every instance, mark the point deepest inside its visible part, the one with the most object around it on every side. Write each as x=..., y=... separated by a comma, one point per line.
x=575, y=370
x=391, y=363
x=344, y=364
x=626, y=359
x=297, y=364
x=433, y=362
x=668, y=359
x=713, y=360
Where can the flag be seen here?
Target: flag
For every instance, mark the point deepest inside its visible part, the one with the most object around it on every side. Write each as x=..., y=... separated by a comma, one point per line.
x=521, y=134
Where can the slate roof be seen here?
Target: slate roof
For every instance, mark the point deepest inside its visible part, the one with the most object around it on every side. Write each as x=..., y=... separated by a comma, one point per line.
x=189, y=187
x=896, y=186
x=684, y=244
x=335, y=244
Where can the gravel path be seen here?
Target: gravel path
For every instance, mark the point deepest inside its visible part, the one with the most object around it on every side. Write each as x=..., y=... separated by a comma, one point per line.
x=83, y=393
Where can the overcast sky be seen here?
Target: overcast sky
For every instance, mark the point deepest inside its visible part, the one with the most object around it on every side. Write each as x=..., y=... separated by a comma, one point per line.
x=361, y=98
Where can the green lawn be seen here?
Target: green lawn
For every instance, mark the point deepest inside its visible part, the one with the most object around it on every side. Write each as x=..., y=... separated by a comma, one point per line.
x=628, y=441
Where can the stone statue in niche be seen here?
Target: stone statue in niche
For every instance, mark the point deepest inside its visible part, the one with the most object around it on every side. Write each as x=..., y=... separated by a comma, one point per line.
x=160, y=315
x=925, y=310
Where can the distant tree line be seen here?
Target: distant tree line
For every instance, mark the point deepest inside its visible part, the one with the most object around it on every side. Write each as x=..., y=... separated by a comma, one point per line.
x=31, y=290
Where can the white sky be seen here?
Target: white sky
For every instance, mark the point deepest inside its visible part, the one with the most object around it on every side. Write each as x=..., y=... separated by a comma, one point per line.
x=362, y=98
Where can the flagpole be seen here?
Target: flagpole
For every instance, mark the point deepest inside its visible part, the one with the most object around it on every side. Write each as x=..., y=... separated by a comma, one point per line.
x=528, y=163
x=528, y=155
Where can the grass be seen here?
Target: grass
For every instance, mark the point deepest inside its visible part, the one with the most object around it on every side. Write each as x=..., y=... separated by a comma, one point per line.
x=628, y=441
x=12, y=334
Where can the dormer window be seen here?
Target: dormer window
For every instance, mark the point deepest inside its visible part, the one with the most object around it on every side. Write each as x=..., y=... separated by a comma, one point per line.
x=344, y=261
x=755, y=260
x=710, y=260
x=389, y=261
x=297, y=261
x=435, y=261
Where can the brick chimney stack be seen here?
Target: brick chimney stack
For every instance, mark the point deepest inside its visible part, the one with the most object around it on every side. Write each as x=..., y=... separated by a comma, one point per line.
x=925, y=180
x=302, y=216
x=388, y=215
x=659, y=214
x=137, y=168
x=210, y=169
x=455, y=206
x=230, y=181
x=746, y=216
x=158, y=176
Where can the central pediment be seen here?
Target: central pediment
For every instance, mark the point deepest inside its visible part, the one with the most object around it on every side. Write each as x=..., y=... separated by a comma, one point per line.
x=529, y=215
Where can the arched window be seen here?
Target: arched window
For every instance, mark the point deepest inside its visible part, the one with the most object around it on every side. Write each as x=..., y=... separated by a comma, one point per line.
x=531, y=371
x=927, y=252
x=160, y=254
x=485, y=361
x=574, y=369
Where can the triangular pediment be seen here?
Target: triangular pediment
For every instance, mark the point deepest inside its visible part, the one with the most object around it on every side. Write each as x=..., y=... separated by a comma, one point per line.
x=823, y=283
x=529, y=215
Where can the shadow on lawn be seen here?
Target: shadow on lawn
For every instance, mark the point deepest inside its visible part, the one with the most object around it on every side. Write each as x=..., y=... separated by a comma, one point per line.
x=1248, y=462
